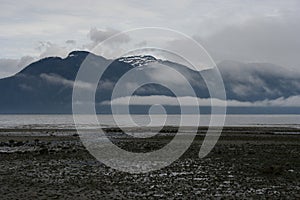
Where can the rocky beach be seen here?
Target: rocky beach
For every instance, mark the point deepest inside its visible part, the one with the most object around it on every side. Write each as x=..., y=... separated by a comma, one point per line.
x=246, y=163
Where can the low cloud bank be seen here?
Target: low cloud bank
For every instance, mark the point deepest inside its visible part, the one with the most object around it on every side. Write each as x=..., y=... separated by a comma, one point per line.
x=293, y=101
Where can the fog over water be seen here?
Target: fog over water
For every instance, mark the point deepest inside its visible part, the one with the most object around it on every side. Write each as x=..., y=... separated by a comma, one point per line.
x=66, y=121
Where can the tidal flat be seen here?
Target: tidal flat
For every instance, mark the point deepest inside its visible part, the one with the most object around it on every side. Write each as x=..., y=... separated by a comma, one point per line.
x=246, y=163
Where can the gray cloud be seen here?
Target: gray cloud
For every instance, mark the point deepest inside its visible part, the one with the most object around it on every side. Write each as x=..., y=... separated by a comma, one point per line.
x=56, y=79
x=26, y=87
x=9, y=67
x=49, y=49
x=97, y=36
x=162, y=74
x=267, y=39
x=293, y=101
x=71, y=42
x=254, y=81
x=106, y=85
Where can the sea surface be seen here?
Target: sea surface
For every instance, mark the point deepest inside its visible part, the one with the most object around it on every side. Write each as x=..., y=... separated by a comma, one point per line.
x=67, y=122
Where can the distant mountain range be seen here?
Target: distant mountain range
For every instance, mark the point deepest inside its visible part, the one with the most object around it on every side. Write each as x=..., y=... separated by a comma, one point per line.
x=46, y=86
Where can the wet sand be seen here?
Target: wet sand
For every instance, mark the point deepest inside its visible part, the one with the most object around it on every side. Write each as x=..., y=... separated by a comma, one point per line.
x=247, y=162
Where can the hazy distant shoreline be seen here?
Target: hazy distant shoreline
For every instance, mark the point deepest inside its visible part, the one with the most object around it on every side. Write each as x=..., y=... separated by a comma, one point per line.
x=106, y=121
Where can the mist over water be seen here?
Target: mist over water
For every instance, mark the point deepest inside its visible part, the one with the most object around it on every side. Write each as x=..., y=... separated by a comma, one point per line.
x=66, y=121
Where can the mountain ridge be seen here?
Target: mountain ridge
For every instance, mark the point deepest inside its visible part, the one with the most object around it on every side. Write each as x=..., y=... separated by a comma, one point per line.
x=45, y=86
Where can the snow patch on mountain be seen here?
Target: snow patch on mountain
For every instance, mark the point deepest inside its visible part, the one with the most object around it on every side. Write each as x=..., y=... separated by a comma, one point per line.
x=138, y=61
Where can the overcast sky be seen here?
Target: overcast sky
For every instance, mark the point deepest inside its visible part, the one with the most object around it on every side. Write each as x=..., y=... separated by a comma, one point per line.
x=247, y=31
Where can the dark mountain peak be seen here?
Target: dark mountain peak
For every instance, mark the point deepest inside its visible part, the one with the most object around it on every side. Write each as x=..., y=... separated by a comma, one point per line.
x=37, y=66
x=67, y=67
x=78, y=53
x=79, y=56
x=138, y=60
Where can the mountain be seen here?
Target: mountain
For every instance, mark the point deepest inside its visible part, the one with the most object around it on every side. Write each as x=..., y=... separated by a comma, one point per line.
x=46, y=86
x=258, y=81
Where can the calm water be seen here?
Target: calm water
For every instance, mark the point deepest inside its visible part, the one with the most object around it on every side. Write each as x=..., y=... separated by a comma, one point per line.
x=66, y=121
